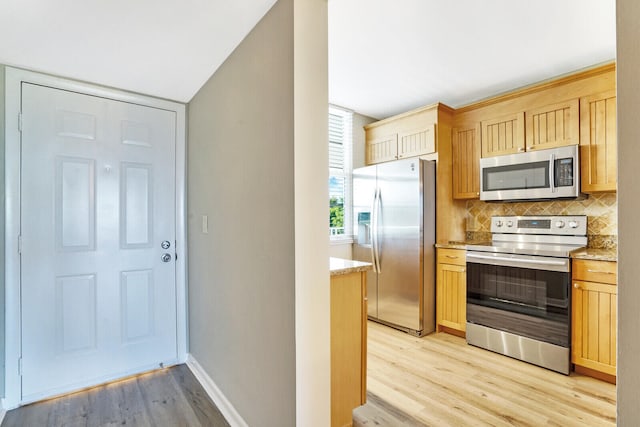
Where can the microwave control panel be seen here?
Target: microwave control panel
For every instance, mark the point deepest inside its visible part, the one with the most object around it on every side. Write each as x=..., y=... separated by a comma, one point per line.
x=564, y=172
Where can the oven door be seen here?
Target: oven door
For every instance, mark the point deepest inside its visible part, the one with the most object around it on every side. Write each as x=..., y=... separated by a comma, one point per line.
x=525, y=295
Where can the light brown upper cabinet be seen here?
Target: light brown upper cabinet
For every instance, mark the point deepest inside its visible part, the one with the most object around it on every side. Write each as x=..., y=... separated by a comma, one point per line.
x=465, y=146
x=381, y=149
x=552, y=126
x=503, y=135
x=598, y=145
x=406, y=135
x=417, y=142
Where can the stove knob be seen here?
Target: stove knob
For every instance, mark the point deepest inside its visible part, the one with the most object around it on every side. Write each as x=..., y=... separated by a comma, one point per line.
x=573, y=224
x=509, y=223
x=560, y=224
x=498, y=223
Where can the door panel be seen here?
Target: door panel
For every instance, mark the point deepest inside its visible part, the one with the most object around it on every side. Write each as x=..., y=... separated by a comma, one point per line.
x=75, y=204
x=136, y=206
x=98, y=198
x=400, y=277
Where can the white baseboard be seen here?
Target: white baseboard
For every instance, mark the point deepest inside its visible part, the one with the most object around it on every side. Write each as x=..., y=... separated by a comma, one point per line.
x=2, y=414
x=226, y=408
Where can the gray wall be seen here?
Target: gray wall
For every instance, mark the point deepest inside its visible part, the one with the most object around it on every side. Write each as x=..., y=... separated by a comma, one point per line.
x=241, y=174
x=628, y=16
x=359, y=121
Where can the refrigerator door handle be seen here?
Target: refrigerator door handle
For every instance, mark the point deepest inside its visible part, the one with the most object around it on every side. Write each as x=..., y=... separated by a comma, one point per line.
x=372, y=231
x=377, y=231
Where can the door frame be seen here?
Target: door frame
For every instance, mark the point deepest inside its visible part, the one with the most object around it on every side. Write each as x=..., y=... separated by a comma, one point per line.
x=14, y=78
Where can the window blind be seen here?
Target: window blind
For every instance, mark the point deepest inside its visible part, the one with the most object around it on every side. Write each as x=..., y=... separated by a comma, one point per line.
x=340, y=165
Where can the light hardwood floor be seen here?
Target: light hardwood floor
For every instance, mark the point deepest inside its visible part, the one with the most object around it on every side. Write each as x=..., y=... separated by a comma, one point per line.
x=439, y=380
x=170, y=397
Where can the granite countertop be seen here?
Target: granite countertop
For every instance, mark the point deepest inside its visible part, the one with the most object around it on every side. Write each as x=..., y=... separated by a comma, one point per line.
x=339, y=266
x=595, y=254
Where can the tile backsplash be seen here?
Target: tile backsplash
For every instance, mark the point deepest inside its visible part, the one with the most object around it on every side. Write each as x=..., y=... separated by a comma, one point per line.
x=601, y=210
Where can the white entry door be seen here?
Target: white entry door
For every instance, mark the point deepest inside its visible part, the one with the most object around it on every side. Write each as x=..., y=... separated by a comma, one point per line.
x=98, y=234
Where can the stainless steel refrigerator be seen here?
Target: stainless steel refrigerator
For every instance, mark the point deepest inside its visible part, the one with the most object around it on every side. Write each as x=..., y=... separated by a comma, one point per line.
x=394, y=220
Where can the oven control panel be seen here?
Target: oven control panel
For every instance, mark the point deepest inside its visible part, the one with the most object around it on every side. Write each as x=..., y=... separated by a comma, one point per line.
x=572, y=225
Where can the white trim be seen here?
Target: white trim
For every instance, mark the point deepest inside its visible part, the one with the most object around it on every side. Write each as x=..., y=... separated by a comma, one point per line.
x=2, y=414
x=13, y=79
x=226, y=408
x=342, y=240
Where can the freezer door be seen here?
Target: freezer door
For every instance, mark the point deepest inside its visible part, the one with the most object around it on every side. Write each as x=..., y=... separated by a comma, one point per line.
x=400, y=244
x=364, y=187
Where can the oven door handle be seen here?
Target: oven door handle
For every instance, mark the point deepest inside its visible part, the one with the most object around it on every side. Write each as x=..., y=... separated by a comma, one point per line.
x=521, y=260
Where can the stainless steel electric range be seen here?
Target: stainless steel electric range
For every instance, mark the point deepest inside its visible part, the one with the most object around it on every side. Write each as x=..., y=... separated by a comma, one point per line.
x=519, y=288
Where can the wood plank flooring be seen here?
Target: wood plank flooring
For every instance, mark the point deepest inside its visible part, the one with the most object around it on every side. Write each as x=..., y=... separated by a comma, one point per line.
x=170, y=397
x=439, y=380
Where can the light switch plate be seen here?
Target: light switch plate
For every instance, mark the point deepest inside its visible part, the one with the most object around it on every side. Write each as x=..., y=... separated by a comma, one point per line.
x=205, y=224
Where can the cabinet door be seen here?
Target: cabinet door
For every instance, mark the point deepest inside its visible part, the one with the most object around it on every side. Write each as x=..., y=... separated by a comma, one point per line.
x=465, y=143
x=598, y=144
x=348, y=345
x=451, y=296
x=594, y=323
x=382, y=149
x=417, y=142
x=503, y=135
x=552, y=126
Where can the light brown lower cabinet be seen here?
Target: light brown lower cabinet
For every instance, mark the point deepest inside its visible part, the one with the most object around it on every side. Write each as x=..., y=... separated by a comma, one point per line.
x=594, y=318
x=451, y=291
x=348, y=346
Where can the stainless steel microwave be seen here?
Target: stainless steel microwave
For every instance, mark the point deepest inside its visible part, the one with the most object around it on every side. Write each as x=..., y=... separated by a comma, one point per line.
x=534, y=175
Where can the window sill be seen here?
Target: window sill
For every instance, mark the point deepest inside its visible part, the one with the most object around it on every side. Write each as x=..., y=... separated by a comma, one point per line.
x=340, y=240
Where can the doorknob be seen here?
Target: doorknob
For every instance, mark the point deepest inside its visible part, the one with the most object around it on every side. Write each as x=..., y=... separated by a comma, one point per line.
x=166, y=244
x=165, y=257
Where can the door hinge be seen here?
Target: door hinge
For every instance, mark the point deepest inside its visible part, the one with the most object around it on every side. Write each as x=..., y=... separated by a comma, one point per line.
x=20, y=122
x=20, y=366
x=20, y=244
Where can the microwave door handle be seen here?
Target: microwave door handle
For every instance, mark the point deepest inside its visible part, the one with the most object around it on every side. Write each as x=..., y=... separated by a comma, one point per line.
x=552, y=164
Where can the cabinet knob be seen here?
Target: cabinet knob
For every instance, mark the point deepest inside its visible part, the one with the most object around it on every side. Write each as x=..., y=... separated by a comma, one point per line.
x=576, y=285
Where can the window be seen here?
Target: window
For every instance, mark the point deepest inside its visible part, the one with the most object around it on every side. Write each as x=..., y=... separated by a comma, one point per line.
x=340, y=137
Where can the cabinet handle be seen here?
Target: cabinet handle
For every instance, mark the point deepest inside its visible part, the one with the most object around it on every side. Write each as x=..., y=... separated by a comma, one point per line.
x=452, y=256
x=576, y=285
x=600, y=272
x=521, y=149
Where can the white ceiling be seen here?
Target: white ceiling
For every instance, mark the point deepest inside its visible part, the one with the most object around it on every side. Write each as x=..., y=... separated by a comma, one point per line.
x=385, y=56
x=165, y=48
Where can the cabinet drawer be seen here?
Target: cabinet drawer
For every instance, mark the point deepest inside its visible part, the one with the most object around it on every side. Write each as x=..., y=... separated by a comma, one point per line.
x=595, y=271
x=452, y=256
